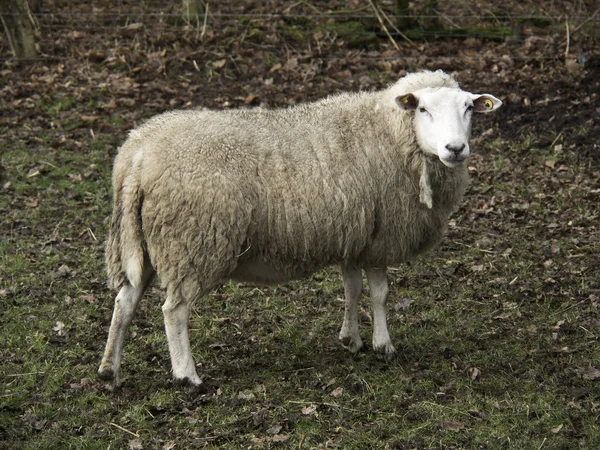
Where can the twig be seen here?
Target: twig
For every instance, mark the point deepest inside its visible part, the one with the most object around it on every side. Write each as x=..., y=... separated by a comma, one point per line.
x=205, y=21
x=542, y=444
x=568, y=39
x=124, y=429
x=392, y=40
x=395, y=28
x=584, y=23
x=23, y=374
x=556, y=139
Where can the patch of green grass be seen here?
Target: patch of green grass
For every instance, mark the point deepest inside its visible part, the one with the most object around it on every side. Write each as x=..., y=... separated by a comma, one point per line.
x=497, y=345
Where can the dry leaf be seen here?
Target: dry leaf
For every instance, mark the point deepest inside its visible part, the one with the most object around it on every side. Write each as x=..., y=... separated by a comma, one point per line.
x=274, y=429
x=474, y=373
x=33, y=202
x=136, y=444
x=337, y=392
x=452, y=425
x=34, y=172
x=219, y=64
x=59, y=328
x=280, y=438
x=557, y=429
x=309, y=410
x=250, y=98
x=243, y=396
x=591, y=374
x=135, y=26
x=404, y=303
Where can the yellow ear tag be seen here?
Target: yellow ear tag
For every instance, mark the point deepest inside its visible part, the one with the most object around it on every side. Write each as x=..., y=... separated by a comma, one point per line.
x=489, y=104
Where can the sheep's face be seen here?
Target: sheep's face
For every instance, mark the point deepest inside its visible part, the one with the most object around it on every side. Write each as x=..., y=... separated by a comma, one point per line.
x=442, y=120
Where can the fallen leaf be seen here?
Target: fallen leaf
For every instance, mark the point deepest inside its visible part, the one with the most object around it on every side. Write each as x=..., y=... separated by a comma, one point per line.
x=452, y=426
x=34, y=172
x=280, y=438
x=33, y=202
x=250, y=98
x=243, y=396
x=550, y=163
x=64, y=271
x=135, y=26
x=309, y=410
x=591, y=374
x=474, y=373
x=404, y=303
x=59, y=328
x=275, y=68
x=219, y=64
x=557, y=429
x=337, y=392
x=136, y=444
x=274, y=429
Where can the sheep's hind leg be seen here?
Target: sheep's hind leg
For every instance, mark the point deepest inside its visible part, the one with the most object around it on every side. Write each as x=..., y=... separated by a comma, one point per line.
x=349, y=334
x=176, y=311
x=378, y=287
x=126, y=303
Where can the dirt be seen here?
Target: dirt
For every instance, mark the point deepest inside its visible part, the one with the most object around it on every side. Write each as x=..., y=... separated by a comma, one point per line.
x=517, y=272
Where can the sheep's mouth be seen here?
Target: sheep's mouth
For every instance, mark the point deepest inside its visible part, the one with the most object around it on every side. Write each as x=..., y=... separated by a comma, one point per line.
x=454, y=161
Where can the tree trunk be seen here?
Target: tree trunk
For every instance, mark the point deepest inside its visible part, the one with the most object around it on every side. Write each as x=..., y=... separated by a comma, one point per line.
x=402, y=11
x=18, y=25
x=191, y=10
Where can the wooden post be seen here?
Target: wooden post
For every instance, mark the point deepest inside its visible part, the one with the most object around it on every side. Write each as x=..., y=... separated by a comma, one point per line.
x=18, y=24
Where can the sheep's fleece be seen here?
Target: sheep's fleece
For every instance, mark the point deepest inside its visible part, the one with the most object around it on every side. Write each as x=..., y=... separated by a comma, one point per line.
x=272, y=195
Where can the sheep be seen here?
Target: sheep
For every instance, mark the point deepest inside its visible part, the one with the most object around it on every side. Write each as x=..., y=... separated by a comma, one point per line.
x=364, y=180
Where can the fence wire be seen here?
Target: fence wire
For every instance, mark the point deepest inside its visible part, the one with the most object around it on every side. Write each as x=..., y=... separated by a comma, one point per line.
x=145, y=21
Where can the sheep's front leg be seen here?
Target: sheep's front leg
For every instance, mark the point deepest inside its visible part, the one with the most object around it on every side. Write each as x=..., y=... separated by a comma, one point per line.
x=176, y=312
x=353, y=286
x=126, y=303
x=378, y=286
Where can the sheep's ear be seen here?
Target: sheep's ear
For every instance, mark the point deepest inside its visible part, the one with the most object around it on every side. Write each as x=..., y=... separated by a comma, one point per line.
x=486, y=103
x=407, y=102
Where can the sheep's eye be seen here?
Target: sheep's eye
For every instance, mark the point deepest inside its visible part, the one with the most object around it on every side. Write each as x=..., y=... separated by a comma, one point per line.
x=469, y=108
x=422, y=110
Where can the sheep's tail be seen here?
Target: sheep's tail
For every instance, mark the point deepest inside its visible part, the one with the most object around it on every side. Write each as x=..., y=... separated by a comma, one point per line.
x=125, y=248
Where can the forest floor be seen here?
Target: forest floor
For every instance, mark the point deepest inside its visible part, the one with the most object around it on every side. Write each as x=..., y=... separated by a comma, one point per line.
x=497, y=330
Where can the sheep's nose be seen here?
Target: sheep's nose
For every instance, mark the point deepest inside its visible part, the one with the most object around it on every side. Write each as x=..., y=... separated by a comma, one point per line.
x=455, y=148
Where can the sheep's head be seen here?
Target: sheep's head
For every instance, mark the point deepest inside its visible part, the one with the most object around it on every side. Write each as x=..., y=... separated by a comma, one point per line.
x=442, y=120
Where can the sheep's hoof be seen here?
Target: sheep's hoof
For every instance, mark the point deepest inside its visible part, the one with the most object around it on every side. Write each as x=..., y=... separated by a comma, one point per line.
x=386, y=350
x=106, y=374
x=350, y=344
x=189, y=384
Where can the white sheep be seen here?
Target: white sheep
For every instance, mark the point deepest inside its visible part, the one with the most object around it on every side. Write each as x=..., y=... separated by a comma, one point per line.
x=361, y=180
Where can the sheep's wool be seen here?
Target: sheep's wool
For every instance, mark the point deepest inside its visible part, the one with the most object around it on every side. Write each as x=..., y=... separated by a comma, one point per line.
x=271, y=195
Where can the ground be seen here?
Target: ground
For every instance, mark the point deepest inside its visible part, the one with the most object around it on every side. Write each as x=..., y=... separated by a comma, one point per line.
x=497, y=330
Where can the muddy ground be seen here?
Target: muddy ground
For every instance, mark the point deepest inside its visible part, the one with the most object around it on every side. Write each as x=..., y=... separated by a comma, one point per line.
x=497, y=329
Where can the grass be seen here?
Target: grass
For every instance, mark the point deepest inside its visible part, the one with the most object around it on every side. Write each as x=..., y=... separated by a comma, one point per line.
x=496, y=346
